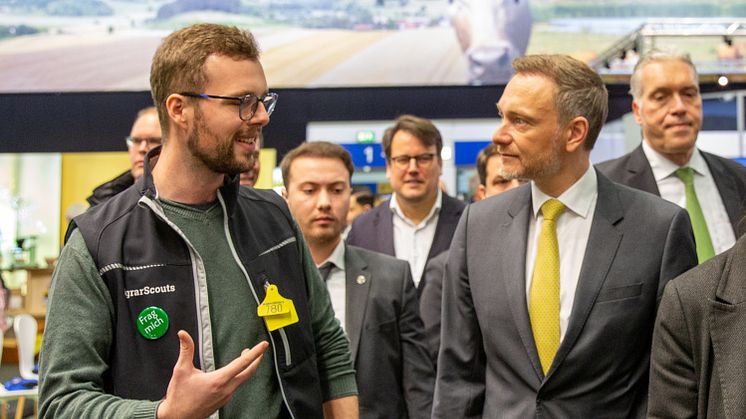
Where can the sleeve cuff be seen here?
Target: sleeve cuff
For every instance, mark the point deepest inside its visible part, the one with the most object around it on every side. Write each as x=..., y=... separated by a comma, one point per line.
x=145, y=410
x=341, y=386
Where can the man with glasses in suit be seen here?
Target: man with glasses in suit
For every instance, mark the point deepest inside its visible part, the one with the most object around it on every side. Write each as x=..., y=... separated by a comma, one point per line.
x=417, y=223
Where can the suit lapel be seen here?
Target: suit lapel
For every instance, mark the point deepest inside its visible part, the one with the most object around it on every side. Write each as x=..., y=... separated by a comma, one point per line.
x=512, y=264
x=603, y=243
x=726, y=186
x=447, y=220
x=640, y=174
x=728, y=330
x=384, y=222
x=357, y=286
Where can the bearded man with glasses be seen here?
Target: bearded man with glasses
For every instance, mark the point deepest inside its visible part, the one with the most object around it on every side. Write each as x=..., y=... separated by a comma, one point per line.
x=144, y=136
x=186, y=295
x=418, y=222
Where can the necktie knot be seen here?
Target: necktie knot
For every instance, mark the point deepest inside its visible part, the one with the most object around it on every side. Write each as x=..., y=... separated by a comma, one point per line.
x=325, y=269
x=686, y=174
x=552, y=209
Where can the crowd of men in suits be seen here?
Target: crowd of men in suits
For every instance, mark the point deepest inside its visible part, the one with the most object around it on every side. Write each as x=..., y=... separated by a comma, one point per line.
x=541, y=299
x=508, y=337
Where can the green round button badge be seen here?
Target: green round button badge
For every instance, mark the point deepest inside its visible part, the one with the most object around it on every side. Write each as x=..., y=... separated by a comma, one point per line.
x=152, y=322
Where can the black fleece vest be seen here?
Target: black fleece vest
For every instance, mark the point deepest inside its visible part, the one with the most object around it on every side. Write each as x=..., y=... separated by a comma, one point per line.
x=145, y=262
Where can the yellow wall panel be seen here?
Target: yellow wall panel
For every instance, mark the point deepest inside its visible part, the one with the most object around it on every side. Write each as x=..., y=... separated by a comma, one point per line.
x=81, y=172
x=268, y=158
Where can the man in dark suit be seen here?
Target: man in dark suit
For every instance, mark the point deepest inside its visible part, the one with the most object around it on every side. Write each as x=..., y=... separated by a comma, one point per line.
x=551, y=288
x=668, y=106
x=418, y=222
x=697, y=361
x=372, y=294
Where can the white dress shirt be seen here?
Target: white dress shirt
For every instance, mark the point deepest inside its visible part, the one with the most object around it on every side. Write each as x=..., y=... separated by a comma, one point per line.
x=671, y=189
x=412, y=241
x=335, y=283
x=573, y=229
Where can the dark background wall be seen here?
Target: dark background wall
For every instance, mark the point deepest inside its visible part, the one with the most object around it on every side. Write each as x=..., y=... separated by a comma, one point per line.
x=99, y=121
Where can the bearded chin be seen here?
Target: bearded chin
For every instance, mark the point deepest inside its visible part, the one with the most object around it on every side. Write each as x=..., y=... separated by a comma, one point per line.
x=219, y=159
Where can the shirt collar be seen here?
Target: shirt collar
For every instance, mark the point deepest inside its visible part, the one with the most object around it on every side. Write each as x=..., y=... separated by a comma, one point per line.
x=337, y=257
x=578, y=198
x=394, y=207
x=663, y=168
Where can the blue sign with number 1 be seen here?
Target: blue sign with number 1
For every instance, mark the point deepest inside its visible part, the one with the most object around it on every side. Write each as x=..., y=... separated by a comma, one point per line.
x=366, y=154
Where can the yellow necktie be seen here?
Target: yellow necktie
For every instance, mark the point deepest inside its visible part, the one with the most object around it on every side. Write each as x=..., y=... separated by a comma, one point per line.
x=544, y=296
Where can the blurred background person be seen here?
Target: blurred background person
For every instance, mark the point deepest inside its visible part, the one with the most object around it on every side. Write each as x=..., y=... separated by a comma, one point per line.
x=144, y=136
x=251, y=176
x=490, y=184
x=361, y=201
x=488, y=169
x=419, y=220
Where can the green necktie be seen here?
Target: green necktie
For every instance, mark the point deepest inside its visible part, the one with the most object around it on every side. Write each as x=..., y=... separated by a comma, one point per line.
x=544, y=295
x=701, y=234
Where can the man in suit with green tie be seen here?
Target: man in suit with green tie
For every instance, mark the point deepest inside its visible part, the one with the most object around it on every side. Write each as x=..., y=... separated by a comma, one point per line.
x=668, y=106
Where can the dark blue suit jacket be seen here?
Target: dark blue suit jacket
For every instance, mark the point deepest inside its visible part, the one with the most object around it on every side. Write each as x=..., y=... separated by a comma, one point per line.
x=374, y=230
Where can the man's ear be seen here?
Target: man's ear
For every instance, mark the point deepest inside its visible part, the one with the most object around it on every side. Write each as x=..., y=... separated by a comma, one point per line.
x=285, y=193
x=481, y=193
x=178, y=110
x=577, y=130
x=636, y=109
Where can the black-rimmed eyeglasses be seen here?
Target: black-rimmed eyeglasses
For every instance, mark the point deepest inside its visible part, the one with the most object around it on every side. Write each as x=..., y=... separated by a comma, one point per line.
x=247, y=105
x=422, y=160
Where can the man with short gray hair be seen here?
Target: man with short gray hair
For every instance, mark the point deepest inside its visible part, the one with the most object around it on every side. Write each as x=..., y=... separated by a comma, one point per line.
x=668, y=107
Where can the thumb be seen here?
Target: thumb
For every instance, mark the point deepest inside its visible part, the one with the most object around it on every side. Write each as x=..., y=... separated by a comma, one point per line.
x=186, y=350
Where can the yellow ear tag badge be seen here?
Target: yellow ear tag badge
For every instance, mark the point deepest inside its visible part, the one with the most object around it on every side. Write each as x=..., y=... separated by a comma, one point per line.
x=277, y=310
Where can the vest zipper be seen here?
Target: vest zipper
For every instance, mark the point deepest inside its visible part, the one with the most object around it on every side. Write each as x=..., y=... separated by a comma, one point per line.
x=196, y=265
x=256, y=298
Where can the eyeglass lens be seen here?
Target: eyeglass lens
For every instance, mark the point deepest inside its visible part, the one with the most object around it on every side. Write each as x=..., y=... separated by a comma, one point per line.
x=250, y=103
x=423, y=160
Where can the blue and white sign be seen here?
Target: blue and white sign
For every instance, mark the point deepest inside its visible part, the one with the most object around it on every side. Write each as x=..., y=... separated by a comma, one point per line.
x=366, y=154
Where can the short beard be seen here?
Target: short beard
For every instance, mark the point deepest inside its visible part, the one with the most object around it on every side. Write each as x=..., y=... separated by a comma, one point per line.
x=220, y=159
x=532, y=171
